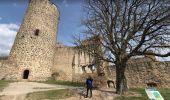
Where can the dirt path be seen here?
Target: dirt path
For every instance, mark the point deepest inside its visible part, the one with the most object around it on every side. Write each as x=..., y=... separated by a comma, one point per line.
x=18, y=90
x=99, y=94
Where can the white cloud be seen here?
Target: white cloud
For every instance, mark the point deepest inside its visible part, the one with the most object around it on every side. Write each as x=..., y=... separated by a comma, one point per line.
x=163, y=51
x=7, y=37
x=163, y=58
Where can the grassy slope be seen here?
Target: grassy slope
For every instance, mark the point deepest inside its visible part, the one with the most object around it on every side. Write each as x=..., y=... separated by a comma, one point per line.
x=143, y=96
x=54, y=94
x=49, y=95
x=3, y=84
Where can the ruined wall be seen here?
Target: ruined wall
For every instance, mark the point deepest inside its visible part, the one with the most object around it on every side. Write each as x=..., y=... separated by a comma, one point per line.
x=82, y=62
x=63, y=60
x=143, y=70
x=70, y=63
x=34, y=45
x=139, y=74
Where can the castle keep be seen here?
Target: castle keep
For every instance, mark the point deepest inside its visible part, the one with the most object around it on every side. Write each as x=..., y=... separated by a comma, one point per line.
x=33, y=49
x=37, y=56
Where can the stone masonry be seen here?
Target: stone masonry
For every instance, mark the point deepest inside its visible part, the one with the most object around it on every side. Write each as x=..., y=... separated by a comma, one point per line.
x=37, y=56
x=69, y=62
x=34, y=46
x=141, y=71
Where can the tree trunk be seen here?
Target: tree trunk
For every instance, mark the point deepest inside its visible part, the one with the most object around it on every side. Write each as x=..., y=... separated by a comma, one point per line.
x=121, y=82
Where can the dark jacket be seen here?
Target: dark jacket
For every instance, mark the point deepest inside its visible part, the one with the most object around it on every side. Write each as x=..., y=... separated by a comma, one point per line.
x=89, y=83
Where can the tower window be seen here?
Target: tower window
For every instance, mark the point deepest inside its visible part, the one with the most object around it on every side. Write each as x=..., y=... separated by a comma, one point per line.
x=22, y=36
x=36, y=33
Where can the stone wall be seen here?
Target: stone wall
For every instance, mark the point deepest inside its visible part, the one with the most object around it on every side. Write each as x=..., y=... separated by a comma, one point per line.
x=69, y=63
x=35, y=50
x=139, y=74
x=63, y=60
x=34, y=46
x=82, y=62
x=8, y=70
x=143, y=71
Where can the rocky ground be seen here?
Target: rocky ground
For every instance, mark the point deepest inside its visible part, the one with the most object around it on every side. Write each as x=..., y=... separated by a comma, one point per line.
x=18, y=91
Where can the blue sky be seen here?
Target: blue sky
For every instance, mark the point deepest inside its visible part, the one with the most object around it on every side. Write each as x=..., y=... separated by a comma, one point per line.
x=12, y=13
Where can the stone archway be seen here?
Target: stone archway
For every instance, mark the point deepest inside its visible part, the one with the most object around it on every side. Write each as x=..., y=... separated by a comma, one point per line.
x=26, y=74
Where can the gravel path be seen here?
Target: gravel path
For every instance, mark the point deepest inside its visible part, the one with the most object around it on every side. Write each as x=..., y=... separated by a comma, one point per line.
x=18, y=90
x=99, y=94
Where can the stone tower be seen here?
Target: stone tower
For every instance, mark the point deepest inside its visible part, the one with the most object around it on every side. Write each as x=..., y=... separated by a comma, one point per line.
x=34, y=46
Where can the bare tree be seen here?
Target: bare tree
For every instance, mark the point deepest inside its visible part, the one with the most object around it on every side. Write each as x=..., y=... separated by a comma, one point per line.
x=127, y=28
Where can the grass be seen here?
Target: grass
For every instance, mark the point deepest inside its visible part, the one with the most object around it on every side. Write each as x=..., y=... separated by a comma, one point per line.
x=54, y=94
x=165, y=93
x=3, y=84
x=141, y=95
x=68, y=83
x=49, y=95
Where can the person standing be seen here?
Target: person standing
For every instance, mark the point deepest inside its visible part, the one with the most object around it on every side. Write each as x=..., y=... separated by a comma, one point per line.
x=89, y=85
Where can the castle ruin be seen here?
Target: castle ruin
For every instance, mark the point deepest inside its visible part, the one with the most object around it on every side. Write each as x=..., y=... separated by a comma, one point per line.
x=37, y=56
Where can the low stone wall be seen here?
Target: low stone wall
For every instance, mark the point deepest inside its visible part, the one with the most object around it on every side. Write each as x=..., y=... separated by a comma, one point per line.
x=139, y=74
x=8, y=70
